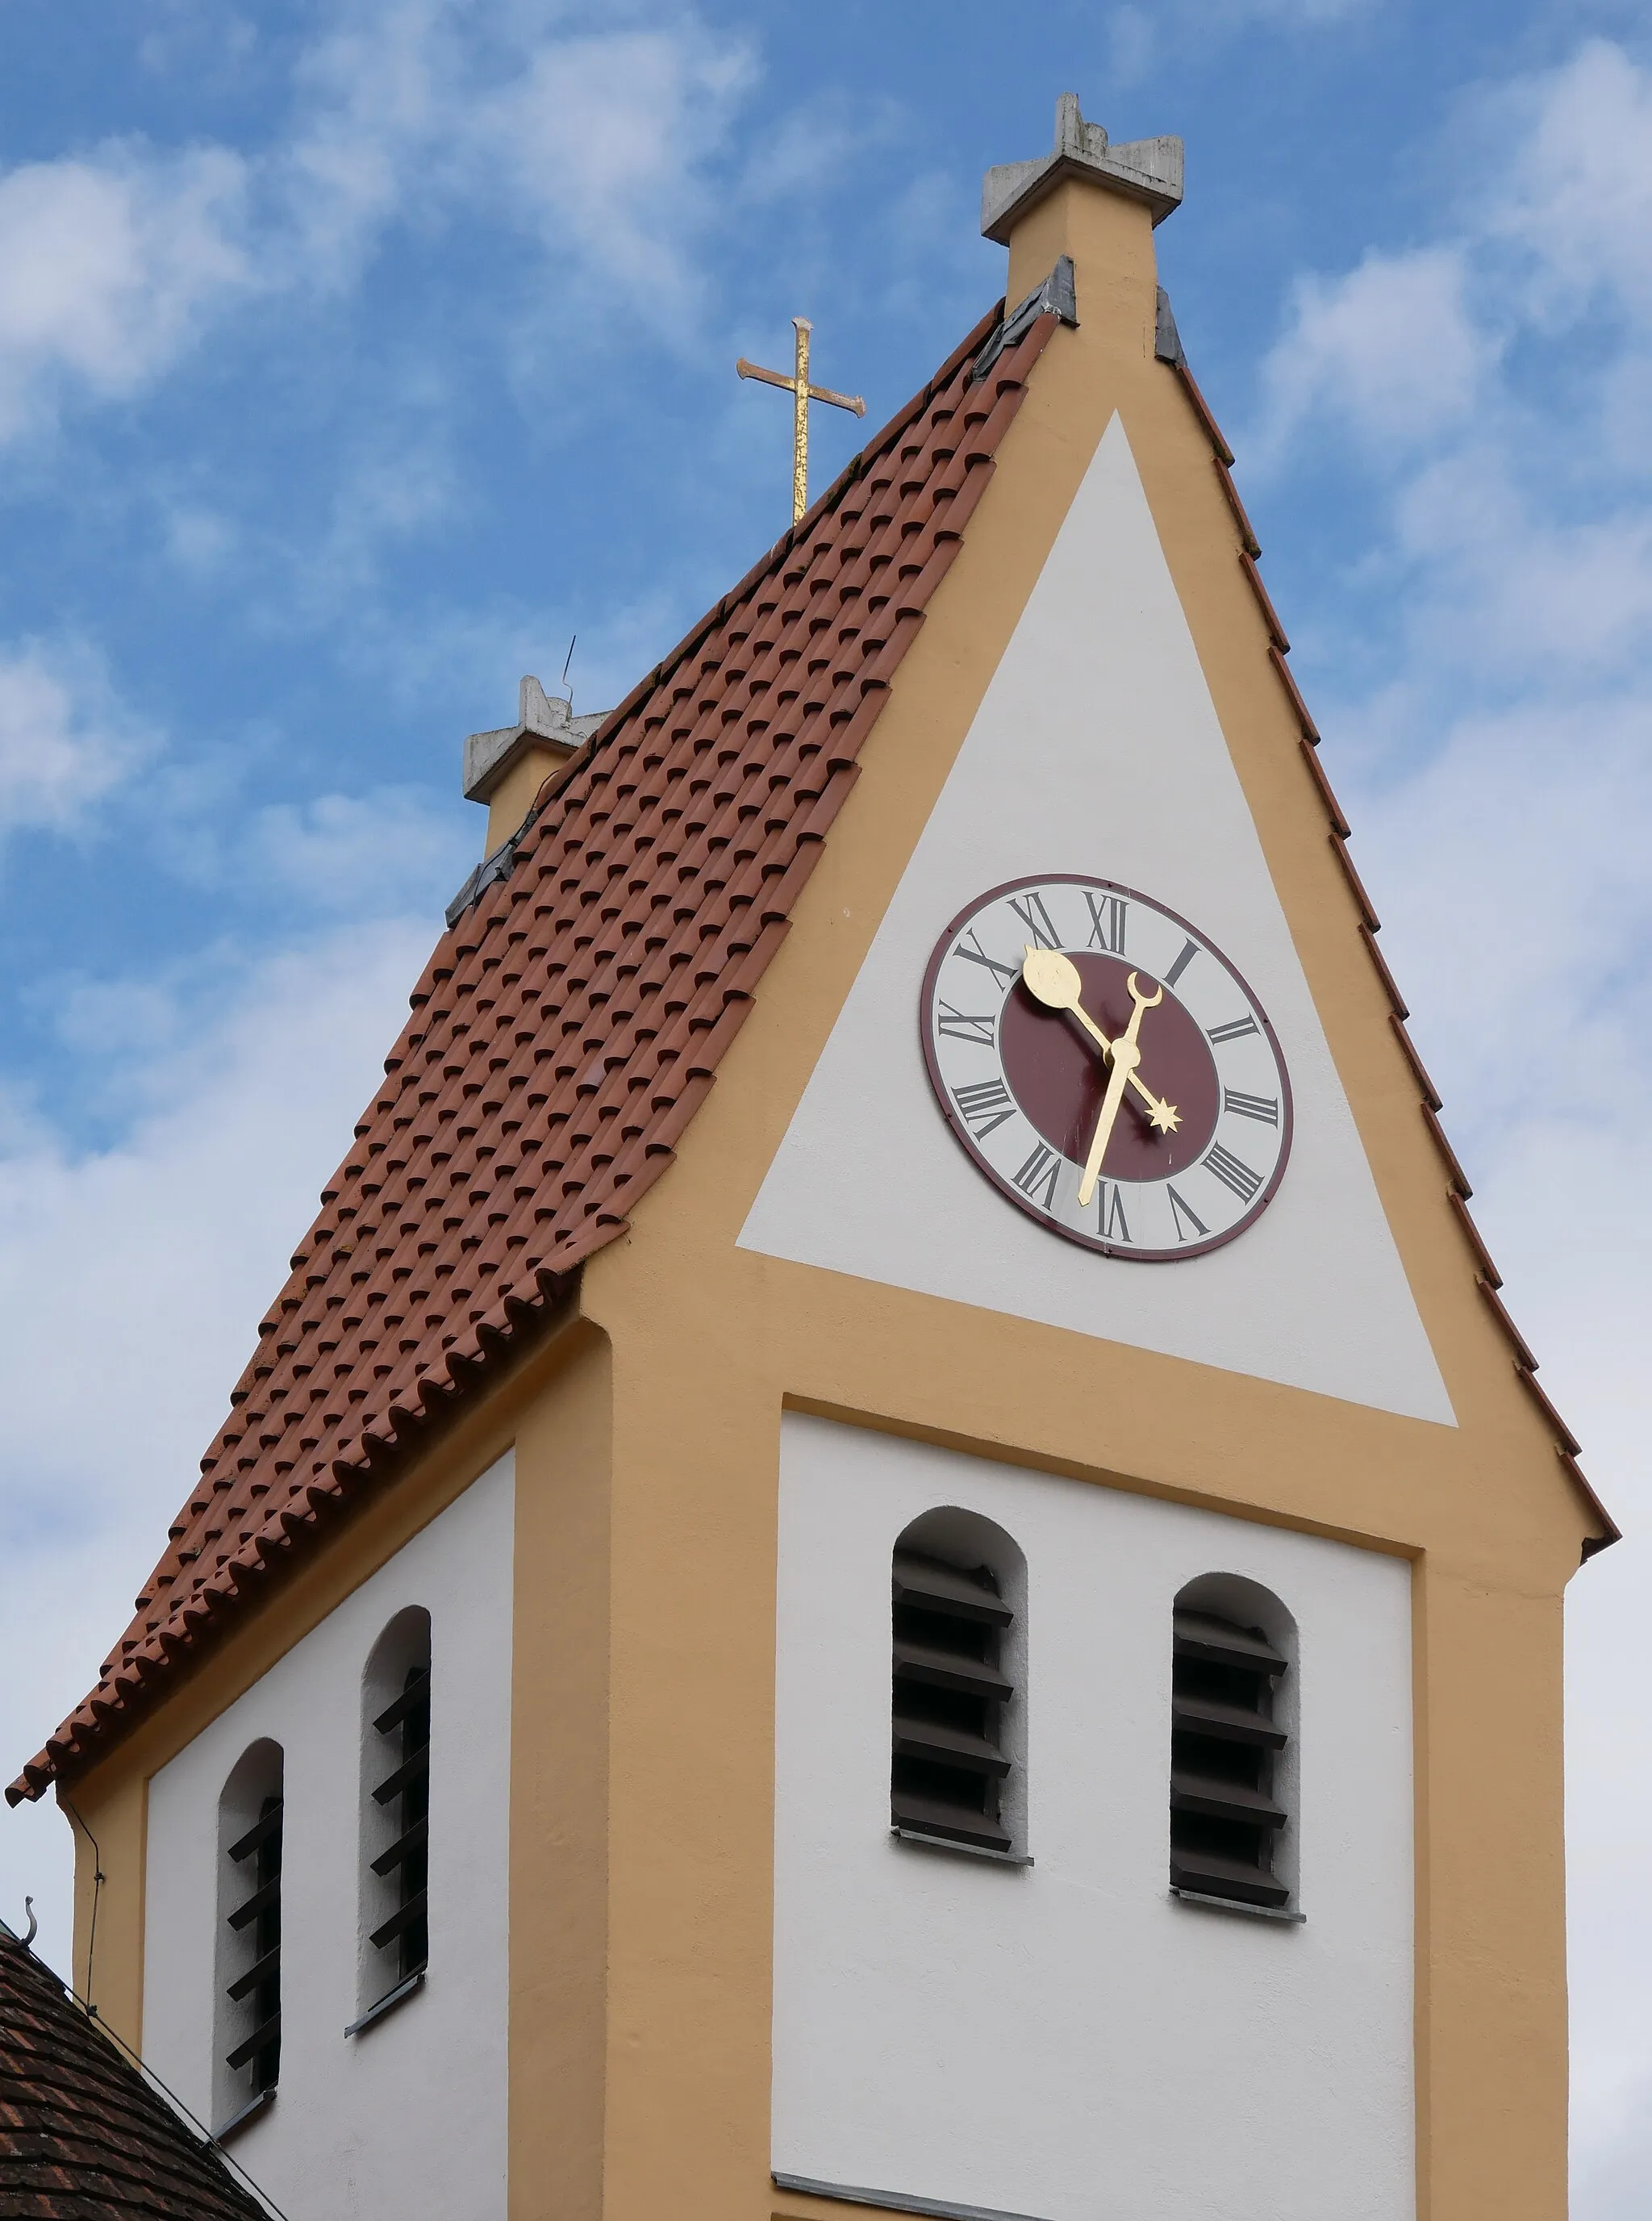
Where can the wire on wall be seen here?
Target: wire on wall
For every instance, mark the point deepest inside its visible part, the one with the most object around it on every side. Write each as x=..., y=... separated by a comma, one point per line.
x=97, y=1891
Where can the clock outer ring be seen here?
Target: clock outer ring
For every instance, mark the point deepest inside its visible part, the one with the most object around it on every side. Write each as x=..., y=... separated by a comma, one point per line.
x=1006, y=1188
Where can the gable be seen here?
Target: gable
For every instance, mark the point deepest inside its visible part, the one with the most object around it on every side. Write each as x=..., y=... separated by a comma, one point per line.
x=1096, y=751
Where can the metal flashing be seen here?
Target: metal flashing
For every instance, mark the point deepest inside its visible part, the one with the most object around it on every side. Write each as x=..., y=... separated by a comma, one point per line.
x=249, y=2111
x=1237, y=1904
x=388, y=2002
x=1166, y=340
x=967, y=1850
x=1057, y=296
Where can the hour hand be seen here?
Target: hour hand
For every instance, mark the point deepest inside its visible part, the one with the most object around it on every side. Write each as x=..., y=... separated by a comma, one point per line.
x=1053, y=980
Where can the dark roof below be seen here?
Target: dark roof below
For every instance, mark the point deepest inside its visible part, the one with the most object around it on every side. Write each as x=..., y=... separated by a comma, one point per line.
x=82, y=2137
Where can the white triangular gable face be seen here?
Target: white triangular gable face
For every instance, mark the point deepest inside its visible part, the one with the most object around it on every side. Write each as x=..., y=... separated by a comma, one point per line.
x=1096, y=751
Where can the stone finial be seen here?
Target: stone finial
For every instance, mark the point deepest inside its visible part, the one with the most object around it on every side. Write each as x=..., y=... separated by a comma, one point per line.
x=537, y=712
x=545, y=723
x=1147, y=170
x=505, y=768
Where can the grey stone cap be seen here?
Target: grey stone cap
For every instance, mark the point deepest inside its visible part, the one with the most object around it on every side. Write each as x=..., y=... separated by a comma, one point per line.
x=1148, y=170
x=543, y=721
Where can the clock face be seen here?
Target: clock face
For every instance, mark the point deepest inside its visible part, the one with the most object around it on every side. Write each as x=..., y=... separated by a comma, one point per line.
x=1024, y=988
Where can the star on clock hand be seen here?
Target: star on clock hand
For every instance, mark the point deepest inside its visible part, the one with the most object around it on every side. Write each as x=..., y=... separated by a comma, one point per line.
x=1053, y=980
x=1126, y=1057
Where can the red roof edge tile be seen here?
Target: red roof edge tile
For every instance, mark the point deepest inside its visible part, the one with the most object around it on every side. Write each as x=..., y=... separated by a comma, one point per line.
x=1487, y=1276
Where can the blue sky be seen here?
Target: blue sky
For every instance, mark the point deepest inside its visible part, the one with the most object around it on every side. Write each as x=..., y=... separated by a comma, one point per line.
x=353, y=357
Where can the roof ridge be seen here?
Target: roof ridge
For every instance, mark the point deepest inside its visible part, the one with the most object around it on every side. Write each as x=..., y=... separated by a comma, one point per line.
x=825, y=504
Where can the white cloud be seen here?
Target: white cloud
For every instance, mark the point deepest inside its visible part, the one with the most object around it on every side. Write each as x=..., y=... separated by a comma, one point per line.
x=107, y=265
x=605, y=139
x=1577, y=196
x=370, y=92
x=601, y=144
x=1518, y=584
x=64, y=739
x=1390, y=351
x=1516, y=860
x=135, y=1280
x=599, y=141
x=361, y=852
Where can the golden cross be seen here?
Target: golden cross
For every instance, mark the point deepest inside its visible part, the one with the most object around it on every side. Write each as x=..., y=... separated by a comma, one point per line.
x=802, y=394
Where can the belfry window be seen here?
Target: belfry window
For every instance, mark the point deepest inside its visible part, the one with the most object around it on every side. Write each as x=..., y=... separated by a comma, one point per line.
x=1230, y=1759
x=951, y=1763
x=248, y=2020
x=396, y=1816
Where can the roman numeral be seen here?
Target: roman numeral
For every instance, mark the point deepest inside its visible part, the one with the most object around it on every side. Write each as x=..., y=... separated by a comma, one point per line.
x=962, y=1027
x=1106, y=922
x=1007, y=974
x=988, y=1102
x=1110, y=1223
x=1189, y=951
x=1029, y=909
x=1265, y=1107
x=1179, y=1210
x=1234, y=1029
x=1038, y=1176
x=1233, y=1171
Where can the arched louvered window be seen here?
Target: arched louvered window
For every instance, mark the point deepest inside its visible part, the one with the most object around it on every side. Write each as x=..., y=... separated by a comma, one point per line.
x=396, y=1814
x=247, y=2021
x=958, y=1590
x=1232, y=1754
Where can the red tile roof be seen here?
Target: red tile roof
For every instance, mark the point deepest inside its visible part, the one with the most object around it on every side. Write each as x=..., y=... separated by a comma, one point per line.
x=82, y=2137
x=568, y=1026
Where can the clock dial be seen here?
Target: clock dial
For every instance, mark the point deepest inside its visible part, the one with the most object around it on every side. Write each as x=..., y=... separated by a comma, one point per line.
x=1106, y=1067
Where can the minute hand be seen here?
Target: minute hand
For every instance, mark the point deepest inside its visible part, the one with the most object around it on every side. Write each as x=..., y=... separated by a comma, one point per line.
x=1126, y=1056
x=1053, y=980
x=1162, y=1114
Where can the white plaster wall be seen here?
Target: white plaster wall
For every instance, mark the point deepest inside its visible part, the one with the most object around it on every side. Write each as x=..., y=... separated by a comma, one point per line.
x=407, y=2119
x=1067, y=2039
x=1097, y=749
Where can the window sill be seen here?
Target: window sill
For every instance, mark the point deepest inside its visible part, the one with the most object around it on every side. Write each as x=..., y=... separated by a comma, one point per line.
x=387, y=2003
x=965, y=1850
x=1237, y=1904
x=248, y=2113
x=893, y=2202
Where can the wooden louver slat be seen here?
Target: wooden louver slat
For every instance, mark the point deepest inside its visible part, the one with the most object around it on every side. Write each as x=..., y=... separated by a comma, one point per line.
x=1224, y=1751
x=407, y=1860
x=413, y=1840
x=410, y=1771
x=261, y=2039
x=259, y=1971
x=257, y=1918
x=948, y=1763
x=399, y=1922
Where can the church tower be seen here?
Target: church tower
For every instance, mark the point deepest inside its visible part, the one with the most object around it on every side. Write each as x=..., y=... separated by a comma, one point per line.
x=890, y=1549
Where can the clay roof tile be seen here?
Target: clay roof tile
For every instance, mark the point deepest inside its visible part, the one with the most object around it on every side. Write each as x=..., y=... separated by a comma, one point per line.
x=567, y=1026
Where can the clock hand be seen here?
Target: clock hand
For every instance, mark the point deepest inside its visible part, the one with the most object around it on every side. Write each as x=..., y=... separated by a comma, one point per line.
x=1053, y=980
x=1126, y=1057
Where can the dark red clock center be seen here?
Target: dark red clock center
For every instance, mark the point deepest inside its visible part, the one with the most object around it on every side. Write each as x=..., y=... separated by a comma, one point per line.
x=1059, y=1076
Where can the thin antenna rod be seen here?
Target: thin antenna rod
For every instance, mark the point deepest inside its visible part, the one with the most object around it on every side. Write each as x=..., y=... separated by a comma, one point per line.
x=566, y=660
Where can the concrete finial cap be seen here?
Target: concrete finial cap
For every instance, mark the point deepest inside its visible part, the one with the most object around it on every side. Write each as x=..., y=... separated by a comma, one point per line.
x=1147, y=170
